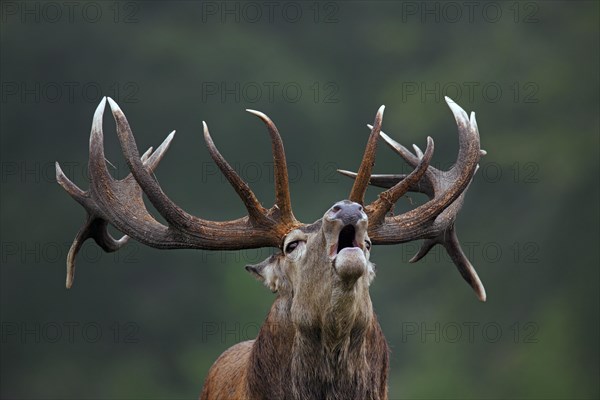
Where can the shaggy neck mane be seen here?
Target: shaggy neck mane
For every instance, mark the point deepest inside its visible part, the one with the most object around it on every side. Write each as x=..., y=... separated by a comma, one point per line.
x=341, y=358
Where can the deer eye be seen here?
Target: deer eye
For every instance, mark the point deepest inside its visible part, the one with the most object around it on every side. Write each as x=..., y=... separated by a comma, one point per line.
x=291, y=246
x=368, y=244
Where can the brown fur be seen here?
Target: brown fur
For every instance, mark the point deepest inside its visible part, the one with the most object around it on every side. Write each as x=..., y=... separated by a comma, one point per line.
x=304, y=365
x=321, y=339
x=226, y=374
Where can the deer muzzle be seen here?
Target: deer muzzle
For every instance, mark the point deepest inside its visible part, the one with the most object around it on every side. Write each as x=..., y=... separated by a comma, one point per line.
x=346, y=232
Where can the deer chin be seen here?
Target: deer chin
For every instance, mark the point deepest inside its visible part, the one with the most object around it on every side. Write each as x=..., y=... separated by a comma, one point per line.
x=350, y=264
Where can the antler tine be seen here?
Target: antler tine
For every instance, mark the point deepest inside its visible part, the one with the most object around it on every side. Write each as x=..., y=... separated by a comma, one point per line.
x=449, y=240
x=174, y=215
x=463, y=264
x=96, y=229
x=468, y=133
x=151, y=159
x=282, y=189
x=409, y=157
x=387, y=181
x=452, y=188
x=97, y=162
x=256, y=211
x=147, y=154
x=387, y=199
x=93, y=227
x=72, y=189
x=357, y=194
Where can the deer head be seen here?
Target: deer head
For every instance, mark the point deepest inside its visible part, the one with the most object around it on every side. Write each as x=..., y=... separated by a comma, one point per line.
x=322, y=271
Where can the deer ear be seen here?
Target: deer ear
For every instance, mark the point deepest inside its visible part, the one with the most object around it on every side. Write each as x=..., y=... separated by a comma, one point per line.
x=266, y=273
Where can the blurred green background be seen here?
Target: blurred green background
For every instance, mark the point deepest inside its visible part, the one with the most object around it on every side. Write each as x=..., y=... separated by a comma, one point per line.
x=147, y=324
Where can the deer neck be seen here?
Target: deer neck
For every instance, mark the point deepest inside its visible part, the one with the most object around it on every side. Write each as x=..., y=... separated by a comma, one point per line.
x=326, y=358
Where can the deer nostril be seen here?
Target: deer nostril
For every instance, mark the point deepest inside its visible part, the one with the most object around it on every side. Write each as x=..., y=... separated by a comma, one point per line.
x=360, y=208
x=336, y=208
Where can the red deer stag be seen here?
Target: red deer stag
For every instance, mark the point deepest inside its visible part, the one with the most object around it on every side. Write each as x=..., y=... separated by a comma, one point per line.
x=321, y=339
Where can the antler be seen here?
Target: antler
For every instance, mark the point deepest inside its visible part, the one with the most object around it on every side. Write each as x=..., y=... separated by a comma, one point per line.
x=120, y=203
x=434, y=220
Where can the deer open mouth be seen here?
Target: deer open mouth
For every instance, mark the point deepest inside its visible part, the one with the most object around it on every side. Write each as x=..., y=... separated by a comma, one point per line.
x=349, y=262
x=347, y=238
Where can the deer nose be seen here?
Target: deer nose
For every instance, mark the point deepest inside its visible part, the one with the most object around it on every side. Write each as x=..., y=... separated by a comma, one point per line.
x=348, y=212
